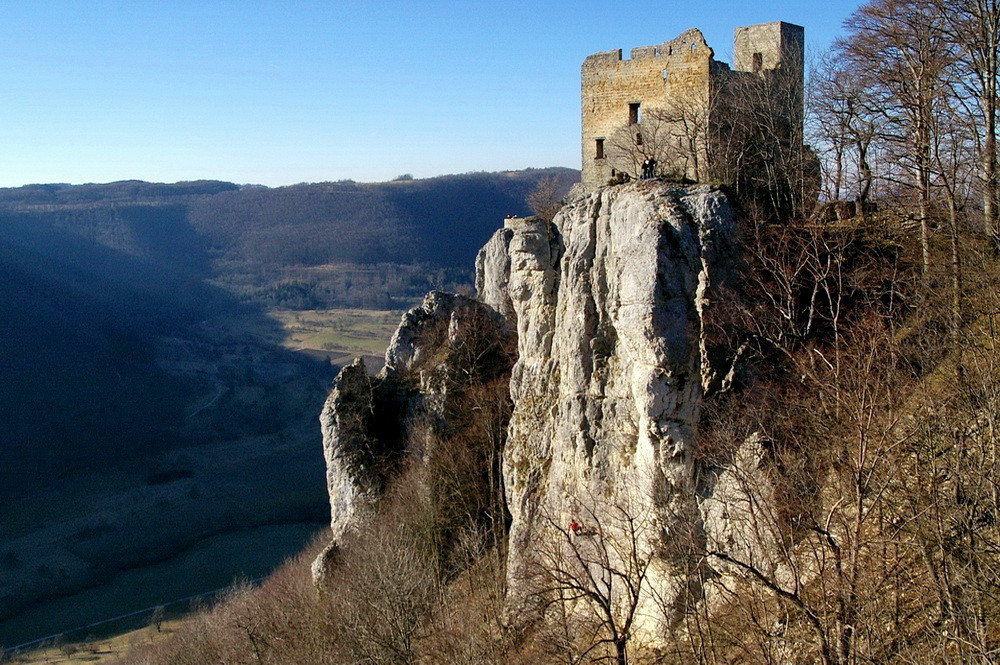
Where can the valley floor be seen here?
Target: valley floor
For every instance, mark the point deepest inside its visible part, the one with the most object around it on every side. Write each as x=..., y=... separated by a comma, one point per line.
x=102, y=650
x=214, y=504
x=211, y=564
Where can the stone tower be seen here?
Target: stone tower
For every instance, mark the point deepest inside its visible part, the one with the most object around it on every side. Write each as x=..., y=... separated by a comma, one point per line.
x=777, y=48
x=667, y=101
x=768, y=46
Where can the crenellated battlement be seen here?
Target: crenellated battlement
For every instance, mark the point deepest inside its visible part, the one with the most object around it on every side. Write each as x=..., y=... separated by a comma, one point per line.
x=665, y=99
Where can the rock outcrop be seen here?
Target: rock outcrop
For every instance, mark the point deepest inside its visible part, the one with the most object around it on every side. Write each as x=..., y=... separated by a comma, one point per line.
x=441, y=363
x=610, y=301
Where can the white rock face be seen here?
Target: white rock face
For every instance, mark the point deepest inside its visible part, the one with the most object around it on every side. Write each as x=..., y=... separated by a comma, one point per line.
x=493, y=273
x=353, y=478
x=446, y=346
x=351, y=481
x=609, y=301
x=364, y=418
x=732, y=523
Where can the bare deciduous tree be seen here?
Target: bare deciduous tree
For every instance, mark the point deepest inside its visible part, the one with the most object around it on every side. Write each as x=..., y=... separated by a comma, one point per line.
x=972, y=27
x=544, y=199
x=899, y=47
x=847, y=123
x=590, y=578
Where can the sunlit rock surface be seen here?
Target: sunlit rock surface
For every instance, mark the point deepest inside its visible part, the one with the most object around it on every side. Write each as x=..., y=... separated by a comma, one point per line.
x=610, y=300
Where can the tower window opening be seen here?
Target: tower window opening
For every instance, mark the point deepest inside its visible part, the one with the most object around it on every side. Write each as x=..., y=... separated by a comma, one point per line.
x=758, y=62
x=693, y=47
x=638, y=138
x=599, y=153
x=664, y=73
x=634, y=114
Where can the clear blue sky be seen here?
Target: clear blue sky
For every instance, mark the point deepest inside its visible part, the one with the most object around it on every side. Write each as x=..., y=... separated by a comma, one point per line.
x=279, y=92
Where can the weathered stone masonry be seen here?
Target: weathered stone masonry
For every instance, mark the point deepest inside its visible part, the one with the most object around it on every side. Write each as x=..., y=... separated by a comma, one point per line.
x=664, y=100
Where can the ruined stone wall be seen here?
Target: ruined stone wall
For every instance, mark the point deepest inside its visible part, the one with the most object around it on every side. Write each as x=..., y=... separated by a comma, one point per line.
x=652, y=77
x=776, y=50
x=678, y=87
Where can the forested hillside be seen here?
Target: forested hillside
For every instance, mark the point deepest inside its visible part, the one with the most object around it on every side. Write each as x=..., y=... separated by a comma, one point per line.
x=303, y=246
x=97, y=276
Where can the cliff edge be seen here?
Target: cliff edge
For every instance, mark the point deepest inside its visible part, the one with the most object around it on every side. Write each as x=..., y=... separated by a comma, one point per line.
x=610, y=302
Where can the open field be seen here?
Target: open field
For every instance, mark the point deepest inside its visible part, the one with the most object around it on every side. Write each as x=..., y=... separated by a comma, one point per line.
x=106, y=650
x=339, y=335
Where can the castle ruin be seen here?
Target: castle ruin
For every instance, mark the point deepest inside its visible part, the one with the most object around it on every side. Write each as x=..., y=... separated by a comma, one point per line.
x=675, y=103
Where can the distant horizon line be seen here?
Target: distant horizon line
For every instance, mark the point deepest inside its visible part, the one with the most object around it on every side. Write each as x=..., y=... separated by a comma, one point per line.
x=404, y=177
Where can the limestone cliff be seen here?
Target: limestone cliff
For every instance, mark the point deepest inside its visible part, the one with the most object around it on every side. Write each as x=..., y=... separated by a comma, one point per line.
x=451, y=356
x=610, y=300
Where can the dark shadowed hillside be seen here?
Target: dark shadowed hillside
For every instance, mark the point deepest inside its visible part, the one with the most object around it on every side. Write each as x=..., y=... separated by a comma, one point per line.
x=358, y=244
x=78, y=330
x=144, y=401
x=441, y=221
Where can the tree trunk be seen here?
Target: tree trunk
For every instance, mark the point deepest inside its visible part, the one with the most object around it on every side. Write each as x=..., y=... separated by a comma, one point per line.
x=925, y=234
x=989, y=167
x=989, y=175
x=956, y=272
x=621, y=656
x=923, y=155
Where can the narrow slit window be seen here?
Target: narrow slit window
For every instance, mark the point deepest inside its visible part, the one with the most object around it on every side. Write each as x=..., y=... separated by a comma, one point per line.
x=758, y=62
x=638, y=138
x=599, y=149
x=634, y=114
